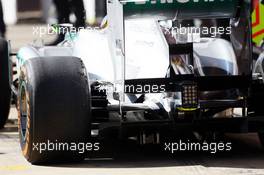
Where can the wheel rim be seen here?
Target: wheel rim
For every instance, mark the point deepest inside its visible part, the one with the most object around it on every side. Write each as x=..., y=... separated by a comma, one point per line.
x=23, y=104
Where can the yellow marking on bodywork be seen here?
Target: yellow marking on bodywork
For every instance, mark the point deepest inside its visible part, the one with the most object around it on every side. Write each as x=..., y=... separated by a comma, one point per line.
x=186, y=109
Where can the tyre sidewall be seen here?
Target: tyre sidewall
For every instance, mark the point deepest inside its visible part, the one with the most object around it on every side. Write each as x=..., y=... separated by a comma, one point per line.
x=26, y=143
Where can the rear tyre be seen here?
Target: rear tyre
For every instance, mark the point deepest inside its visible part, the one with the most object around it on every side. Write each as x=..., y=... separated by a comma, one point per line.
x=5, y=93
x=54, y=108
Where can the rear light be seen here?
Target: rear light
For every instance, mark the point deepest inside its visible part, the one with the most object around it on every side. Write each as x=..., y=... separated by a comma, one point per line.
x=189, y=95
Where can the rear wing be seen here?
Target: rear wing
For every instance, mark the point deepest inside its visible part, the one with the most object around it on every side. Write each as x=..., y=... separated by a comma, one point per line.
x=183, y=8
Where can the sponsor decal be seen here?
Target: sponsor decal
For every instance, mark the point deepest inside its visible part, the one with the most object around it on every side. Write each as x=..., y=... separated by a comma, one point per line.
x=258, y=23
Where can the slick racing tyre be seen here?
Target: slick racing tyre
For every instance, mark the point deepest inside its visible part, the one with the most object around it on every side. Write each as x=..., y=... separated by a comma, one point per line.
x=5, y=93
x=54, y=109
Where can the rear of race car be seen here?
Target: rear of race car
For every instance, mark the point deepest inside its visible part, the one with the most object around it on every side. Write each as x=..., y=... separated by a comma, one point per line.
x=158, y=67
x=181, y=65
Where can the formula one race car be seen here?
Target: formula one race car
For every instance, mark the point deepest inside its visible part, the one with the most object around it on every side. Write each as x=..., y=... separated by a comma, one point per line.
x=155, y=67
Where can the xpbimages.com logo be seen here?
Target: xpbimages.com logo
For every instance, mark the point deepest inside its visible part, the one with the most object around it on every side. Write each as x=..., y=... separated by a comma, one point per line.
x=56, y=29
x=211, y=147
x=80, y=147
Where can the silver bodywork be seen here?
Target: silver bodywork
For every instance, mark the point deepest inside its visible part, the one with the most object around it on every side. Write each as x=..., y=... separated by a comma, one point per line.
x=110, y=56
